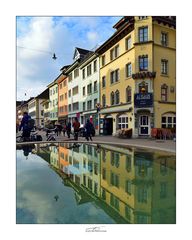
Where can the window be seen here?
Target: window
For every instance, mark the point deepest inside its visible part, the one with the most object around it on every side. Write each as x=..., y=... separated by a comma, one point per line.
x=164, y=66
x=95, y=102
x=89, y=88
x=143, y=34
x=104, y=155
x=163, y=190
x=115, y=76
x=114, y=53
x=76, y=73
x=95, y=187
x=84, y=180
x=103, y=100
x=142, y=17
x=84, y=106
x=64, y=83
x=164, y=39
x=75, y=106
x=83, y=91
x=90, y=151
x=164, y=90
x=128, y=43
x=89, y=70
x=128, y=187
x=95, y=86
x=50, y=92
x=112, y=98
x=103, y=194
x=95, y=66
x=103, y=81
x=114, y=179
x=128, y=213
x=168, y=121
x=117, y=100
x=103, y=60
x=69, y=107
x=95, y=168
x=142, y=194
x=115, y=159
x=104, y=174
x=89, y=105
x=128, y=163
x=75, y=90
x=60, y=85
x=128, y=70
x=114, y=201
x=65, y=95
x=128, y=94
x=56, y=89
x=123, y=121
x=69, y=93
x=89, y=183
x=70, y=77
x=83, y=73
x=143, y=63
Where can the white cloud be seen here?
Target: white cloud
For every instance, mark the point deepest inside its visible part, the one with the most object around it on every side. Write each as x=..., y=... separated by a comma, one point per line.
x=41, y=36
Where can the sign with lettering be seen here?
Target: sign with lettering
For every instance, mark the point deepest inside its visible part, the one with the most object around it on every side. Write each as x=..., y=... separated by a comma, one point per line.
x=143, y=100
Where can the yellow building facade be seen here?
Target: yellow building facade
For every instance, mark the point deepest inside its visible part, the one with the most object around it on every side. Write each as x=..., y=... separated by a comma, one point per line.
x=138, y=76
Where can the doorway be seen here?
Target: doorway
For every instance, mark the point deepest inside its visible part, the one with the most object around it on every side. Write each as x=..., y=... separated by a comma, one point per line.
x=108, y=126
x=144, y=125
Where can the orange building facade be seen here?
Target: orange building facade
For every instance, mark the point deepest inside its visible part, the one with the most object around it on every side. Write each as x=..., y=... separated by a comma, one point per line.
x=62, y=99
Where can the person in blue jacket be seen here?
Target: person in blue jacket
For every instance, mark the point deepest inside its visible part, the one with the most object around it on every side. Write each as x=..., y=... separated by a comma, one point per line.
x=25, y=126
x=89, y=129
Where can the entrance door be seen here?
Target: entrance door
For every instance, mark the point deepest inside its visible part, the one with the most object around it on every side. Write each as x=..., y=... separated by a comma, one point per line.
x=144, y=125
x=108, y=126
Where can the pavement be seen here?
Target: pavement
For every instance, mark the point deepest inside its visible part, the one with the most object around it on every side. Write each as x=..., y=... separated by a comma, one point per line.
x=163, y=145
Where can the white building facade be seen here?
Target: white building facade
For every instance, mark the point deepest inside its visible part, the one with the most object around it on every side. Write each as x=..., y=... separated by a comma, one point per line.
x=89, y=94
x=75, y=105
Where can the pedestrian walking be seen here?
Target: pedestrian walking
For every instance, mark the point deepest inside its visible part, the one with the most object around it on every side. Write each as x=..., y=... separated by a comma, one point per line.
x=76, y=126
x=88, y=130
x=68, y=129
x=64, y=129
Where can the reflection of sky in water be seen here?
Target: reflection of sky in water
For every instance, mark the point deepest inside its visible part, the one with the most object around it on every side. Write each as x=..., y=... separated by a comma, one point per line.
x=137, y=187
x=37, y=185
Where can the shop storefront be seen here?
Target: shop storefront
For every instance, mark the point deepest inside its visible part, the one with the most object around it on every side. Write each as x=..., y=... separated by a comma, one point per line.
x=143, y=111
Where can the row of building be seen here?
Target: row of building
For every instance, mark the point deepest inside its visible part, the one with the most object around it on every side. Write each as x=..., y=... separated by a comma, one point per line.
x=127, y=82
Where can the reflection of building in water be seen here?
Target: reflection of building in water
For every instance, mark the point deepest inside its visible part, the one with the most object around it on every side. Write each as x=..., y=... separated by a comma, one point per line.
x=136, y=186
x=84, y=167
x=54, y=161
x=132, y=186
x=43, y=151
x=63, y=157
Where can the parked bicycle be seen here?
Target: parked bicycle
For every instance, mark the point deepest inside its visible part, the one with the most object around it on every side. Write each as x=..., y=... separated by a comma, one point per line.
x=51, y=135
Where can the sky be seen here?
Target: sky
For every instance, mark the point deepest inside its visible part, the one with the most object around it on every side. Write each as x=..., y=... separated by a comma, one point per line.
x=37, y=38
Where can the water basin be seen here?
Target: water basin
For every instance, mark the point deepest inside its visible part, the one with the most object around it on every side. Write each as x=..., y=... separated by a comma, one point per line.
x=67, y=183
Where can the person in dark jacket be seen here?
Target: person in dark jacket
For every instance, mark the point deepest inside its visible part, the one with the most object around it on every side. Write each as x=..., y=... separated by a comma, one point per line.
x=68, y=129
x=89, y=129
x=25, y=127
x=76, y=126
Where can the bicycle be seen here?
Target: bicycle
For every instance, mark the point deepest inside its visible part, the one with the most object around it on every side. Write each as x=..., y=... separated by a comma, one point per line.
x=51, y=135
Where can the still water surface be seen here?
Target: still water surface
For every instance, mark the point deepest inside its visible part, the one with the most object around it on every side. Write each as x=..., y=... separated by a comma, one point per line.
x=67, y=183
